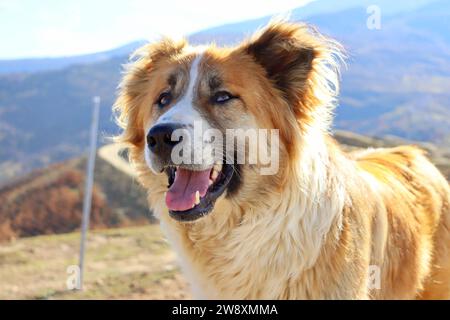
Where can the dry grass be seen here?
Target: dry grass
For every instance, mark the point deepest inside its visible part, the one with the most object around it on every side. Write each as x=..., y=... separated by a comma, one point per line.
x=128, y=263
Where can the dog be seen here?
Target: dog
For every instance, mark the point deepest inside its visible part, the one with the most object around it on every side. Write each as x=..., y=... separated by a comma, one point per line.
x=372, y=224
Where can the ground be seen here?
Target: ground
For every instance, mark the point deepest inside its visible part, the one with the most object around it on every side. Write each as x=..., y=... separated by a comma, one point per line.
x=126, y=263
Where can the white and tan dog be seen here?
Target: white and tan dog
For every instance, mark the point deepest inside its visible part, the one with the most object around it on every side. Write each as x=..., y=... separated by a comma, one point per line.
x=315, y=228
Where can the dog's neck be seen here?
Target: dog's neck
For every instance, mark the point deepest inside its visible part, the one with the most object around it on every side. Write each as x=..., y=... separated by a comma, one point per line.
x=316, y=195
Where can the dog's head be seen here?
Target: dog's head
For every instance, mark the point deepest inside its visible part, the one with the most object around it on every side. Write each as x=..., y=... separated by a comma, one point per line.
x=208, y=125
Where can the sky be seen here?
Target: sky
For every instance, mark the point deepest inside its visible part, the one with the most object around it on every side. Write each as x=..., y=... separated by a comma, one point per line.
x=50, y=28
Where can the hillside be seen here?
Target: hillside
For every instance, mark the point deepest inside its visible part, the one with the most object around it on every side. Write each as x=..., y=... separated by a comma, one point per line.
x=49, y=201
x=351, y=141
x=45, y=117
x=397, y=79
x=397, y=83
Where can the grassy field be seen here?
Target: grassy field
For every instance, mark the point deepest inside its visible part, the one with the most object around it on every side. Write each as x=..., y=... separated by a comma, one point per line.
x=127, y=263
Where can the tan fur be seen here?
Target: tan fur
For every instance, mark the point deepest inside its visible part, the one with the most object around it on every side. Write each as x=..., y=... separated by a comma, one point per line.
x=313, y=230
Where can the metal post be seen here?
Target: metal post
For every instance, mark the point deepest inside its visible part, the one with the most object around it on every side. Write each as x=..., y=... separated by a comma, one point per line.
x=89, y=184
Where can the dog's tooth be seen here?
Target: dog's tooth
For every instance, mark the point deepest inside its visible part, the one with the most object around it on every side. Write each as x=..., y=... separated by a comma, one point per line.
x=214, y=174
x=210, y=182
x=197, y=197
x=218, y=167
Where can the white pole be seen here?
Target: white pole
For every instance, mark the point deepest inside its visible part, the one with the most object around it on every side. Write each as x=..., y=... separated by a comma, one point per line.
x=89, y=184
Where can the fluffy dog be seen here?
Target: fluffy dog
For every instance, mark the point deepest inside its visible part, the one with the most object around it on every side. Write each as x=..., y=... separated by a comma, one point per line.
x=327, y=225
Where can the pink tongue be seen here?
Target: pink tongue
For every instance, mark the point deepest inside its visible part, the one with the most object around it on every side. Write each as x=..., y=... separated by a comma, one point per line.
x=181, y=195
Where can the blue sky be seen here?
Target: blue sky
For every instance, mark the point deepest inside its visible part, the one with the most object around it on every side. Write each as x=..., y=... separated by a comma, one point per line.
x=46, y=28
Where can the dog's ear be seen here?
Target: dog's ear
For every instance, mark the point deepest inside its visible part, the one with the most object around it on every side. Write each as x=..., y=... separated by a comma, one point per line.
x=302, y=64
x=286, y=51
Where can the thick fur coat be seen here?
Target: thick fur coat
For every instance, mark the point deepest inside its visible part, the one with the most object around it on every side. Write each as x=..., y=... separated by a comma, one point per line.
x=328, y=223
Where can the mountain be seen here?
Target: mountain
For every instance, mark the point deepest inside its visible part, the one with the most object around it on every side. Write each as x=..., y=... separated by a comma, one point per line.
x=398, y=78
x=45, y=117
x=397, y=83
x=230, y=33
x=48, y=64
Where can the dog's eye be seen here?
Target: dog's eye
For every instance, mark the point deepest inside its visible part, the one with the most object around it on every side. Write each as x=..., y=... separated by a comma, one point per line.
x=164, y=99
x=222, y=97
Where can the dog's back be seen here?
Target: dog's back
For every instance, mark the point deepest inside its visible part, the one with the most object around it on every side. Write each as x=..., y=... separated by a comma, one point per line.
x=416, y=247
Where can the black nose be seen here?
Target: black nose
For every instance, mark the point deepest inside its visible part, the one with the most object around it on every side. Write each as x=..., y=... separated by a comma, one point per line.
x=159, y=138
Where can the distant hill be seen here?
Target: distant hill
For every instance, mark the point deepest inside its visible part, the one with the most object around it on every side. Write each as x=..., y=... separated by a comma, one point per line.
x=45, y=117
x=233, y=32
x=397, y=83
x=351, y=141
x=49, y=200
x=398, y=78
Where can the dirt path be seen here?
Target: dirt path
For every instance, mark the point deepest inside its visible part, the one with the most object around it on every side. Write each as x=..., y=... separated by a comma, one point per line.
x=110, y=153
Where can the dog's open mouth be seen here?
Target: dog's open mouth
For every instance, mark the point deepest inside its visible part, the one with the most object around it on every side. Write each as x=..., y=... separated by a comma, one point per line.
x=192, y=194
